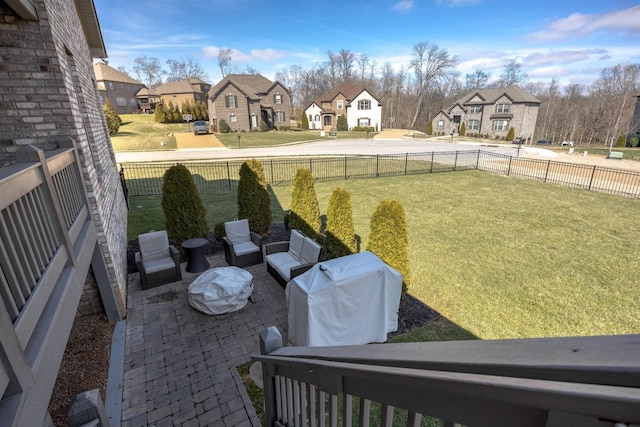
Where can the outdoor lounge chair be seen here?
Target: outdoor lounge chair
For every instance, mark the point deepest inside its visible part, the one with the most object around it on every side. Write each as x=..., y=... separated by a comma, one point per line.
x=242, y=247
x=157, y=261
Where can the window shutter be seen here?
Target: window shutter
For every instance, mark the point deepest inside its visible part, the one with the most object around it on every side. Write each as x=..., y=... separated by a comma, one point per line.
x=274, y=99
x=235, y=101
x=226, y=101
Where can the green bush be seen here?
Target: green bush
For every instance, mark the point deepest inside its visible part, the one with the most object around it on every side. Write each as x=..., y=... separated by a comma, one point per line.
x=305, y=210
x=340, y=232
x=363, y=129
x=223, y=127
x=254, y=202
x=219, y=231
x=621, y=141
x=342, y=124
x=263, y=126
x=511, y=134
x=463, y=129
x=305, y=121
x=388, y=238
x=113, y=119
x=184, y=213
x=160, y=115
x=430, y=129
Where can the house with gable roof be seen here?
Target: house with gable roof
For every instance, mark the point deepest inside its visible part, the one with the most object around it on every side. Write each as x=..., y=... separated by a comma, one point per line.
x=244, y=100
x=117, y=87
x=491, y=112
x=190, y=89
x=359, y=106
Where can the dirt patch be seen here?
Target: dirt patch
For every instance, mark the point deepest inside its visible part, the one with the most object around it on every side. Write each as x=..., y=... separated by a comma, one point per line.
x=189, y=140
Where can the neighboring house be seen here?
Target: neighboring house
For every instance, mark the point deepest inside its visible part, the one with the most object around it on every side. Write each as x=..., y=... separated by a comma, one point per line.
x=245, y=100
x=147, y=100
x=491, y=112
x=119, y=88
x=63, y=233
x=359, y=106
x=191, y=89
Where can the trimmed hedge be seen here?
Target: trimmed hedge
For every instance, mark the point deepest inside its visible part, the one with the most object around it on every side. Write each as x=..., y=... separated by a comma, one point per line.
x=184, y=213
x=305, y=210
x=340, y=232
x=388, y=238
x=254, y=202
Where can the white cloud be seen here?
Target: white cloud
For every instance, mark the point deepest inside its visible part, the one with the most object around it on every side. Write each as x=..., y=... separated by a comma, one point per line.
x=454, y=3
x=580, y=25
x=549, y=72
x=567, y=56
x=255, y=55
x=404, y=5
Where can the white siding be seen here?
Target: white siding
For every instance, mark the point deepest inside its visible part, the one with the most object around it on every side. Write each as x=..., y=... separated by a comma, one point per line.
x=312, y=113
x=374, y=114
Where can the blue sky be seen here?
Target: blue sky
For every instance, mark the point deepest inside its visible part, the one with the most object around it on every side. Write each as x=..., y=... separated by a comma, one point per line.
x=568, y=40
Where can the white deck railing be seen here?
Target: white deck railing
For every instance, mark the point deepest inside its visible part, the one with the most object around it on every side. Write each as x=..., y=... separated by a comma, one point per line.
x=47, y=240
x=586, y=381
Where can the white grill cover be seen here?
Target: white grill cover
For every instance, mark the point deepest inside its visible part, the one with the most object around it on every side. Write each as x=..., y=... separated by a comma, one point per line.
x=221, y=290
x=350, y=300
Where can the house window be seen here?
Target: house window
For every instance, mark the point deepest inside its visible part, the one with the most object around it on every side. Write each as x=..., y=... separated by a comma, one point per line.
x=310, y=117
x=317, y=118
x=340, y=104
x=110, y=85
x=327, y=120
x=233, y=118
x=231, y=101
x=501, y=125
x=121, y=102
x=440, y=125
x=279, y=116
x=133, y=102
x=364, y=122
x=364, y=104
x=473, y=125
x=277, y=98
x=503, y=108
x=474, y=109
x=254, y=121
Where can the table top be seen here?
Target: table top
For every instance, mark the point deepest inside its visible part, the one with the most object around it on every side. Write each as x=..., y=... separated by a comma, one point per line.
x=196, y=242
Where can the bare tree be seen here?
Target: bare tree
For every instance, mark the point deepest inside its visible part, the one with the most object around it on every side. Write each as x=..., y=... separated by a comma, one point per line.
x=333, y=68
x=148, y=69
x=477, y=80
x=224, y=60
x=345, y=65
x=363, y=64
x=429, y=63
x=513, y=74
x=183, y=68
x=123, y=69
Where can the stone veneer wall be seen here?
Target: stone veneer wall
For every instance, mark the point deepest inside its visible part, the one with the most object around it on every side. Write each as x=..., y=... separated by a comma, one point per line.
x=48, y=94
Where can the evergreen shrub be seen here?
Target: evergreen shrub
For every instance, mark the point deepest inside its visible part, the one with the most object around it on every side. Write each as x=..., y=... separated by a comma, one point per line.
x=340, y=232
x=254, y=202
x=342, y=124
x=388, y=238
x=305, y=210
x=223, y=127
x=113, y=119
x=511, y=134
x=463, y=129
x=184, y=213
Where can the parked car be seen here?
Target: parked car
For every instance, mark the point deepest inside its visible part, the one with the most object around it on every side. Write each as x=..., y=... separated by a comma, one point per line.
x=200, y=126
x=544, y=142
x=517, y=140
x=567, y=143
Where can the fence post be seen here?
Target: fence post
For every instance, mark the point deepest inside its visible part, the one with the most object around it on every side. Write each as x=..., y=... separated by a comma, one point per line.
x=270, y=340
x=345, y=168
x=593, y=172
x=546, y=173
x=478, y=160
x=377, y=165
x=509, y=168
x=431, y=168
x=228, y=176
x=455, y=162
x=406, y=161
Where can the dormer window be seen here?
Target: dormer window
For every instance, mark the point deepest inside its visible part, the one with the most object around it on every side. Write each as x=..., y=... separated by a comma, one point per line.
x=503, y=108
x=340, y=104
x=474, y=109
x=231, y=101
x=364, y=104
x=277, y=98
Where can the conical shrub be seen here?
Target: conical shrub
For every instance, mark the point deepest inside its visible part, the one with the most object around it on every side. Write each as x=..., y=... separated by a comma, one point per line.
x=184, y=213
x=340, y=233
x=388, y=238
x=254, y=202
x=305, y=210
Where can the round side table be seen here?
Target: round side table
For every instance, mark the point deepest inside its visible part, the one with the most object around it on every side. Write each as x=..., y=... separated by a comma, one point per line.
x=196, y=250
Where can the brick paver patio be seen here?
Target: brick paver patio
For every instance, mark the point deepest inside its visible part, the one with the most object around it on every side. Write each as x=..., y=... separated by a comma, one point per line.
x=180, y=364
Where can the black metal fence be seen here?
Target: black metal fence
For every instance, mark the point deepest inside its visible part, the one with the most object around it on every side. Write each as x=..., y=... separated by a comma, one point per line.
x=145, y=179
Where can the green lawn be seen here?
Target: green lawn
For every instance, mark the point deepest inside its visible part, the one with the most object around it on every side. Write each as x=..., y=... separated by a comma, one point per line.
x=498, y=257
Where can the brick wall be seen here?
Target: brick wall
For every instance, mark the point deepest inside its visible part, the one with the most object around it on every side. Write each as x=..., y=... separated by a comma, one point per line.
x=48, y=94
x=90, y=302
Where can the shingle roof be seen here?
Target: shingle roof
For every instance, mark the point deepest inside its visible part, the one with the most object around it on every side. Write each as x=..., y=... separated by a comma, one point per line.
x=490, y=96
x=182, y=86
x=250, y=84
x=104, y=72
x=348, y=90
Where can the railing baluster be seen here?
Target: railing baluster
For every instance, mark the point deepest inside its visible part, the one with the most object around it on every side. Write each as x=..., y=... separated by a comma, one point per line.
x=289, y=417
x=297, y=413
x=322, y=409
x=386, y=416
x=347, y=409
x=365, y=412
x=312, y=405
x=333, y=410
x=413, y=419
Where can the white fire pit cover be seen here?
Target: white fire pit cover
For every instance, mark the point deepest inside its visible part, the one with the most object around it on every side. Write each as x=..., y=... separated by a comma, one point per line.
x=221, y=290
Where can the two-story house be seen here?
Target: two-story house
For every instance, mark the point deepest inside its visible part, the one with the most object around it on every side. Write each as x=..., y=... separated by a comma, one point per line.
x=63, y=213
x=245, y=100
x=358, y=105
x=491, y=112
x=190, y=89
x=118, y=88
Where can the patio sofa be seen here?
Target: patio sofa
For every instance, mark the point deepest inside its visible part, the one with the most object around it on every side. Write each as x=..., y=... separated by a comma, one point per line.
x=286, y=260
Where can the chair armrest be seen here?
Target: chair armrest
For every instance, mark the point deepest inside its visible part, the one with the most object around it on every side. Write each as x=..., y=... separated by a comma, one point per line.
x=257, y=239
x=175, y=254
x=299, y=269
x=272, y=248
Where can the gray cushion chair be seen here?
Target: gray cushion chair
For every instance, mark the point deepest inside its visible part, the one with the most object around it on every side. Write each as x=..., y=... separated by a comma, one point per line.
x=242, y=247
x=289, y=259
x=158, y=262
